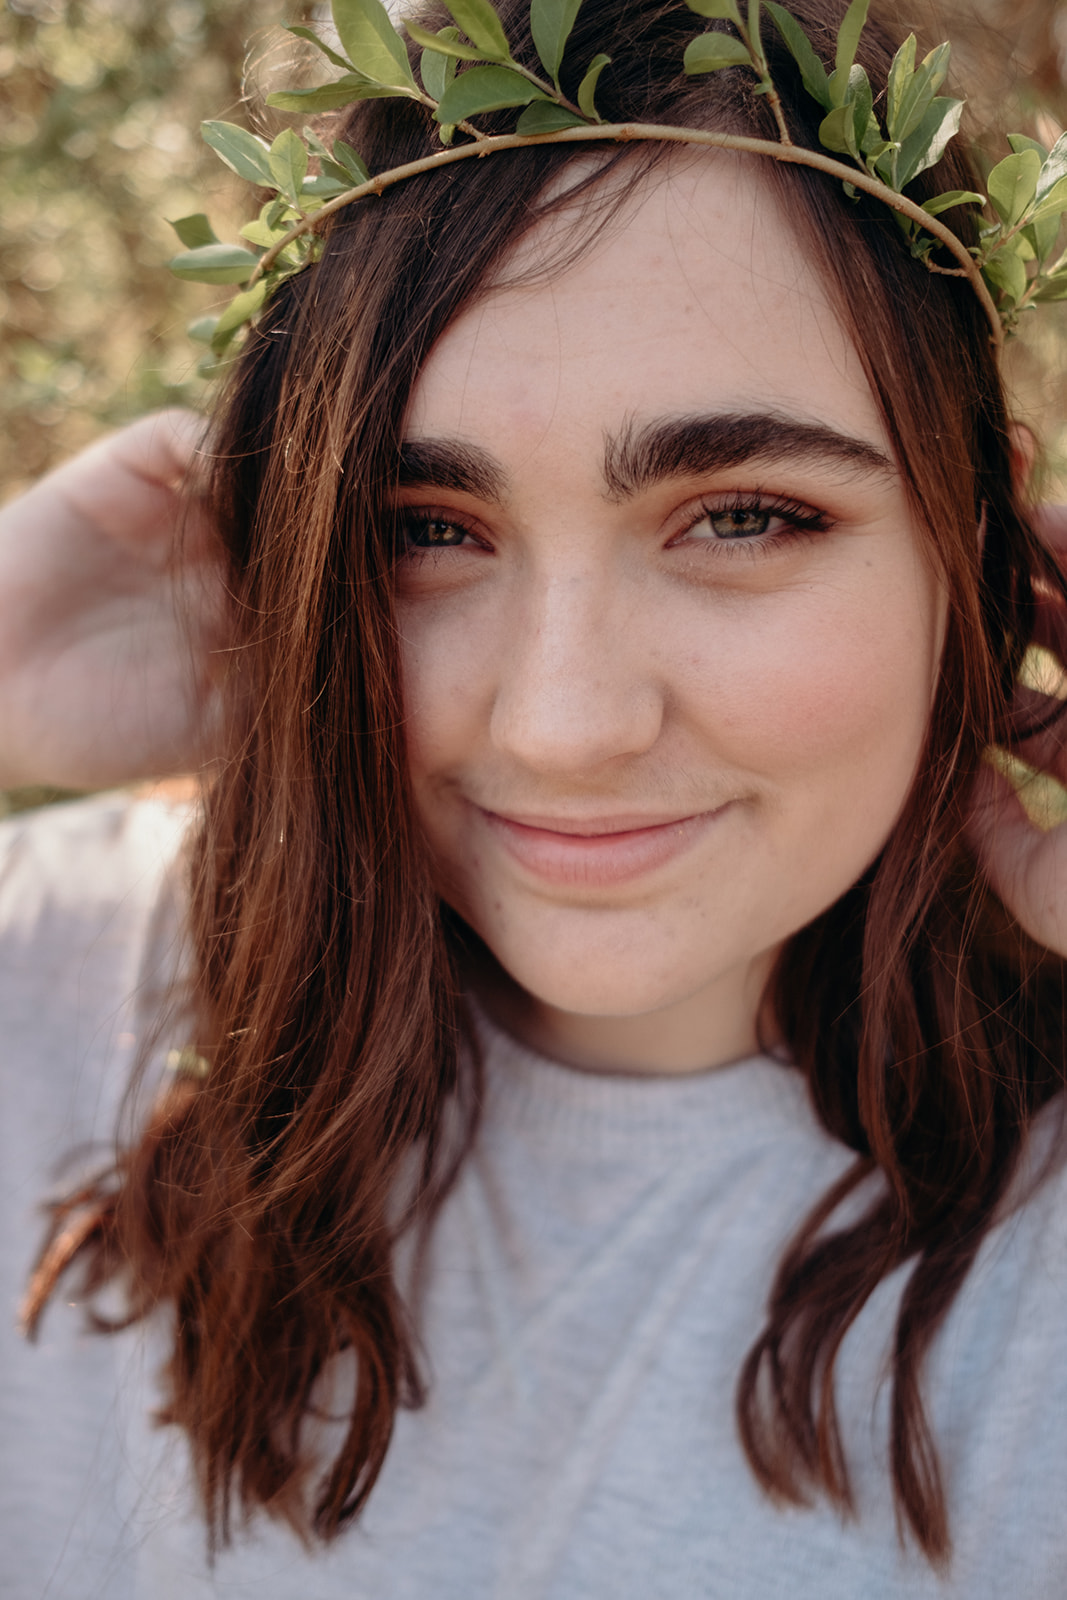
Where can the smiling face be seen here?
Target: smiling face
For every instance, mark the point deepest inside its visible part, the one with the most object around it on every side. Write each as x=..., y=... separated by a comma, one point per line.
x=669, y=637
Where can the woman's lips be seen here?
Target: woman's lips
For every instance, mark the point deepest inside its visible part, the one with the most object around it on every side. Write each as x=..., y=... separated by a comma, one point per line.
x=596, y=854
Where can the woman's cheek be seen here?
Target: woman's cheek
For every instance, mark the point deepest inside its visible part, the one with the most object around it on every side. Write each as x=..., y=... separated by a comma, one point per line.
x=833, y=691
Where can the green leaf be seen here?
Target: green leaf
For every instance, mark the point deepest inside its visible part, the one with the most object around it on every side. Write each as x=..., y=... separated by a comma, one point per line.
x=436, y=71
x=1021, y=141
x=482, y=26
x=351, y=161
x=935, y=65
x=723, y=10
x=1053, y=168
x=331, y=180
x=551, y=22
x=194, y=231
x=289, y=163
x=1007, y=271
x=708, y=52
x=918, y=91
x=259, y=233
x=444, y=43
x=201, y=329
x=836, y=130
x=544, y=116
x=241, y=308
x=873, y=146
x=900, y=76
x=481, y=89
x=331, y=55
x=1013, y=185
x=330, y=167
x=331, y=96
x=797, y=43
x=323, y=186
x=1054, y=288
x=272, y=224
x=1042, y=236
x=1053, y=203
x=215, y=263
x=861, y=100
x=848, y=38
x=916, y=94
x=925, y=147
x=248, y=156
x=587, y=87
x=950, y=198
x=314, y=143
x=372, y=43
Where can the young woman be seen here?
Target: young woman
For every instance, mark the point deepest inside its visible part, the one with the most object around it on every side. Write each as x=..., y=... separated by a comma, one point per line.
x=612, y=1145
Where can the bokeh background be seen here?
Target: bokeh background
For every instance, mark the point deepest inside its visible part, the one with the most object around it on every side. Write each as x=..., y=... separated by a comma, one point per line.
x=100, y=105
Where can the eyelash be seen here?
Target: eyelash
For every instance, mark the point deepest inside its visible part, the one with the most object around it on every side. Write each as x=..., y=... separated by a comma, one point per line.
x=408, y=521
x=800, y=520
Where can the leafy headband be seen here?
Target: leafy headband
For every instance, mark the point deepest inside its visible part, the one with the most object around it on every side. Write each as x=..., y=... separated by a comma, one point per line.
x=1013, y=266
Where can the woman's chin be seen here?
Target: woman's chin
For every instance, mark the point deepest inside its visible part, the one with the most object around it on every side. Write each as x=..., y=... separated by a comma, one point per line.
x=625, y=1009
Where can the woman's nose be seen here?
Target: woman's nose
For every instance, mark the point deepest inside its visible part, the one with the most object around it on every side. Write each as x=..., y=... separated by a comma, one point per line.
x=578, y=687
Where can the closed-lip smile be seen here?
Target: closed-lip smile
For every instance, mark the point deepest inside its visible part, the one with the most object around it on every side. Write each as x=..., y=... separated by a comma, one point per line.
x=595, y=852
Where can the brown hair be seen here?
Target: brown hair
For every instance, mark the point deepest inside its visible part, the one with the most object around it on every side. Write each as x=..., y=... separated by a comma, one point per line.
x=264, y=1203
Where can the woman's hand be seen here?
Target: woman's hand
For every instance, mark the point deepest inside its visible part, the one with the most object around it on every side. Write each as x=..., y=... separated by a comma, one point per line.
x=1019, y=815
x=112, y=613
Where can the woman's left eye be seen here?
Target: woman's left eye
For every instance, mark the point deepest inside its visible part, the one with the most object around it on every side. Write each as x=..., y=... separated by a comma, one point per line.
x=750, y=520
x=430, y=533
x=744, y=524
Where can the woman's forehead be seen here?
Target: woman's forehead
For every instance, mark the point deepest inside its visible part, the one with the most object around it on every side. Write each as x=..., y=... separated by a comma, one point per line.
x=696, y=297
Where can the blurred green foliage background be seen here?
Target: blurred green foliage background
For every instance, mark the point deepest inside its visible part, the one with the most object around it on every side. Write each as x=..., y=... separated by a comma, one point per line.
x=100, y=105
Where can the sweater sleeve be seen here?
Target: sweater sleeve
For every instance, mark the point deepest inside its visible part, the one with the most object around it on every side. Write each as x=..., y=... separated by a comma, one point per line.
x=88, y=934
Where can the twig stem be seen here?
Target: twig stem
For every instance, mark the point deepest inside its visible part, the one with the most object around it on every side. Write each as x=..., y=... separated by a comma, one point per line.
x=633, y=132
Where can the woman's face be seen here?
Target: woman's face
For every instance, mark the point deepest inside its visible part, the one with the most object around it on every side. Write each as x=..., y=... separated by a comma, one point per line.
x=669, y=637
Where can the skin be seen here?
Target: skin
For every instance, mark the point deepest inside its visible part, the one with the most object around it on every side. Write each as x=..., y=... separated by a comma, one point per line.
x=645, y=752
x=110, y=644
x=113, y=614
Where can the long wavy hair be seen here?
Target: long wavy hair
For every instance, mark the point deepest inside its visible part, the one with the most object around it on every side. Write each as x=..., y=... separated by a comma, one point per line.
x=263, y=1202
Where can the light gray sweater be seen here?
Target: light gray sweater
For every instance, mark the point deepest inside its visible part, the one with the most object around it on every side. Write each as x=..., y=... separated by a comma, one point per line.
x=596, y=1278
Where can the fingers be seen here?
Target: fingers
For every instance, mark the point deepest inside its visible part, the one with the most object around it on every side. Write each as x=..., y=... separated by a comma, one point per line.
x=1016, y=829
x=136, y=488
x=163, y=447
x=1050, y=523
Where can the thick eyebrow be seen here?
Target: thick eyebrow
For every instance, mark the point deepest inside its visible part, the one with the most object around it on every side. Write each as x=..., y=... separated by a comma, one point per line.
x=638, y=457
x=683, y=447
x=464, y=468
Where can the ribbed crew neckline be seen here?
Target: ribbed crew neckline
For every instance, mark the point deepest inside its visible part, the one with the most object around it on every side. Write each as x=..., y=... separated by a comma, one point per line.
x=618, y=1113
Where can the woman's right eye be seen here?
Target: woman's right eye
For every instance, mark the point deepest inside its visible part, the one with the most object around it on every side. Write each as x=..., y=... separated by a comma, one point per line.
x=430, y=533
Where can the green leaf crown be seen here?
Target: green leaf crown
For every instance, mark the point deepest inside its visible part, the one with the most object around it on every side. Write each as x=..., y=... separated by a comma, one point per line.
x=878, y=149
